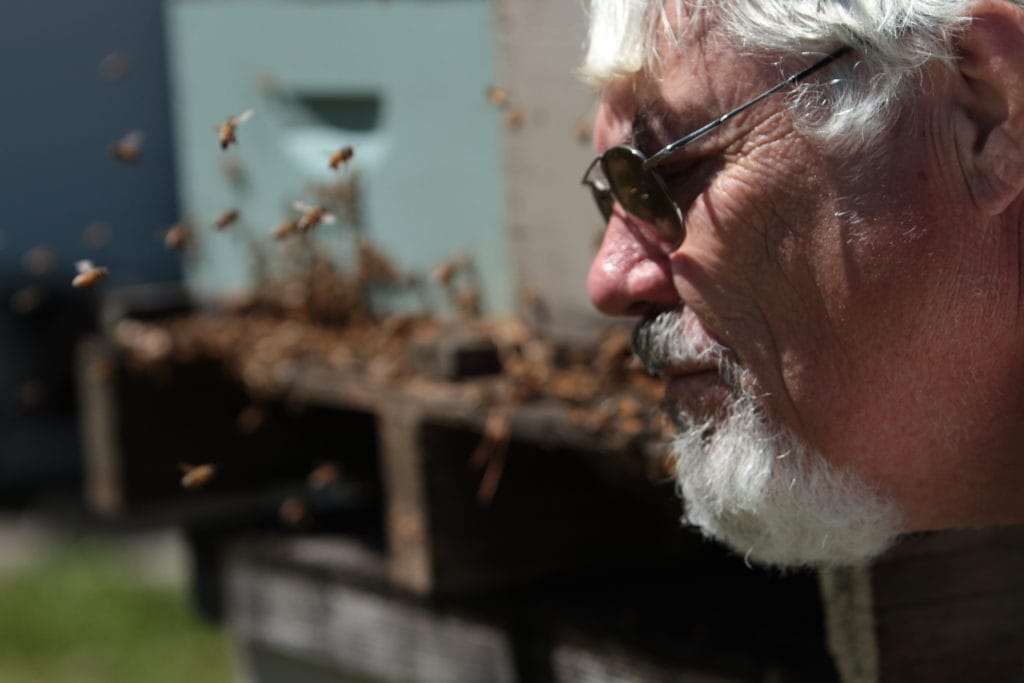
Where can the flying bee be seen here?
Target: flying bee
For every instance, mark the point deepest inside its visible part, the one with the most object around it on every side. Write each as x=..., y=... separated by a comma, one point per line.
x=490, y=452
x=178, y=236
x=497, y=96
x=324, y=475
x=27, y=300
x=250, y=419
x=129, y=148
x=342, y=156
x=312, y=216
x=583, y=131
x=88, y=274
x=226, y=219
x=114, y=66
x=226, y=130
x=294, y=511
x=286, y=228
x=196, y=476
x=514, y=118
x=96, y=234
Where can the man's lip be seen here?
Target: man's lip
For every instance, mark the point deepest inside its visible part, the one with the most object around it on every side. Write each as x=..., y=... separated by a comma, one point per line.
x=686, y=370
x=678, y=379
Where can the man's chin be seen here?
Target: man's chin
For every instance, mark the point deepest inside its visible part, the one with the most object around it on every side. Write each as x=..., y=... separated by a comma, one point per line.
x=747, y=536
x=759, y=490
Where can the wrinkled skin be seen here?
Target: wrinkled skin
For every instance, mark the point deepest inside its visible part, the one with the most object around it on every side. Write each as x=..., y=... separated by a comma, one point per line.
x=875, y=299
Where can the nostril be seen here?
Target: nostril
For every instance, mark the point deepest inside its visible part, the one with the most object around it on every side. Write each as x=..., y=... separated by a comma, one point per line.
x=639, y=309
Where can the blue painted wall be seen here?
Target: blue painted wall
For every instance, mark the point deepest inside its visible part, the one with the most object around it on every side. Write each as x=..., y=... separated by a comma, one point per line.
x=57, y=117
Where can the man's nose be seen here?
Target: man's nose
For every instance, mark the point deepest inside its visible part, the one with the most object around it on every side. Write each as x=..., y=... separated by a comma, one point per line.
x=630, y=273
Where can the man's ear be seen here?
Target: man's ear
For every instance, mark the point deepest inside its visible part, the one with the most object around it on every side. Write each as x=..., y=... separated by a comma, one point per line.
x=990, y=96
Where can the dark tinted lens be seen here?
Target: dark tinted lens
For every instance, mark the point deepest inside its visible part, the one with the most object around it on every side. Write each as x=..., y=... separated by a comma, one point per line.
x=641, y=193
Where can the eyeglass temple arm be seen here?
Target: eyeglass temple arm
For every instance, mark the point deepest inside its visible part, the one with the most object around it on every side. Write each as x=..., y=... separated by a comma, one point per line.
x=660, y=156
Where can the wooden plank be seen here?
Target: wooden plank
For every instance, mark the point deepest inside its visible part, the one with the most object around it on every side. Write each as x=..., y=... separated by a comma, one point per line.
x=257, y=662
x=575, y=664
x=850, y=622
x=95, y=364
x=371, y=634
x=408, y=520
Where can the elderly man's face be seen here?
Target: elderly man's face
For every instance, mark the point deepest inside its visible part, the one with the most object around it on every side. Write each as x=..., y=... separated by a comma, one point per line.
x=854, y=294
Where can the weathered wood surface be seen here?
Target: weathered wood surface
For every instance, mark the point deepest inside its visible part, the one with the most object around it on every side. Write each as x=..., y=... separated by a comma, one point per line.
x=943, y=606
x=577, y=664
x=324, y=607
x=325, y=621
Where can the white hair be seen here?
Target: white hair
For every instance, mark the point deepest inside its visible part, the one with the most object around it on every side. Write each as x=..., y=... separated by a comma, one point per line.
x=894, y=40
x=748, y=481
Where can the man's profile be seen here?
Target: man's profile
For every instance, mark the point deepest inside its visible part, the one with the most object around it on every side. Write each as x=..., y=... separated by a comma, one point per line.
x=815, y=208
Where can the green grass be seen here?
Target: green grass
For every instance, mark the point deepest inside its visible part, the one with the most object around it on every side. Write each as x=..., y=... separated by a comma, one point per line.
x=78, y=617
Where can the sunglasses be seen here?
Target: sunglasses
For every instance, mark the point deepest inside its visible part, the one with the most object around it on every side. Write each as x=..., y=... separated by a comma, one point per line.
x=625, y=175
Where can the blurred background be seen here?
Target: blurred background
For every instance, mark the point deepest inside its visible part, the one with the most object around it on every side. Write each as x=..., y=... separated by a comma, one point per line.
x=334, y=406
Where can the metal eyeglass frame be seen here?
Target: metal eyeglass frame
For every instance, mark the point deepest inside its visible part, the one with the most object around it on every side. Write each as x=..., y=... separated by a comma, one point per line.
x=672, y=228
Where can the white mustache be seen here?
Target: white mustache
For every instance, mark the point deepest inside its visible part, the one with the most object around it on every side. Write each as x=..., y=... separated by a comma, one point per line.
x=667, y=339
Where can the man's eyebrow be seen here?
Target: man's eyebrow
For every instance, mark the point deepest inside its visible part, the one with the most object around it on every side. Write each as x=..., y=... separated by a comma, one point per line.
x=648, y=131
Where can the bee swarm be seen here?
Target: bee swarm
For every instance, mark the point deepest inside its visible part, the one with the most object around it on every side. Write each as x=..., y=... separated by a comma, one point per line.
x=323, y=319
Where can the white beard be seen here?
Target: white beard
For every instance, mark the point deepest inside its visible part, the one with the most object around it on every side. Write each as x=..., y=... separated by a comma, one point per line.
x=752, y=484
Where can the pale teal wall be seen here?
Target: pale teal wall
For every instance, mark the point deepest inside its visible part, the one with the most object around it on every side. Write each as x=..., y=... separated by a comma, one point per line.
x=431, y=167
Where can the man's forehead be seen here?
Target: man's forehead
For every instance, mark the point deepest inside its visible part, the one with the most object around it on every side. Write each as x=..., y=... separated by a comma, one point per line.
x=683, y=94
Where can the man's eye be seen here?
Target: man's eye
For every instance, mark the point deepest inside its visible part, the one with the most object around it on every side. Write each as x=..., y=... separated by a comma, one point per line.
x=687, y=182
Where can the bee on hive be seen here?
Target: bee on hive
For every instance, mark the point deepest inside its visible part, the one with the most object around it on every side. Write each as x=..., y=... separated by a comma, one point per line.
x=445, y=272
